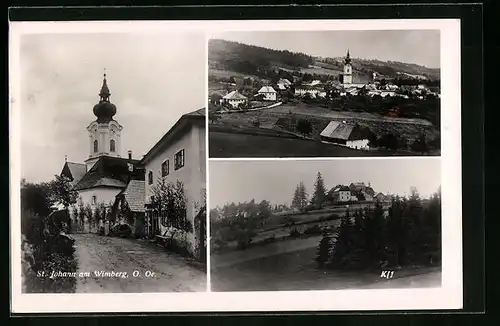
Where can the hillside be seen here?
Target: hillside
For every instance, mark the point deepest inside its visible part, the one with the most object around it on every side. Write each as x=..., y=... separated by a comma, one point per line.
x=253, y=60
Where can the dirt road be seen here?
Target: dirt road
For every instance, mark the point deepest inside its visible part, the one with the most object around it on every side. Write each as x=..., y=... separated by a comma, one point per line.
x=159, y=270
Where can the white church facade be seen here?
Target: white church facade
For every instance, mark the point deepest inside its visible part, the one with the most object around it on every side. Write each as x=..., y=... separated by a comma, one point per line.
x=104, y=174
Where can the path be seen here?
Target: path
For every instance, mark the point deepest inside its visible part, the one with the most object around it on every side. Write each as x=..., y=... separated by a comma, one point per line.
x=109, y=254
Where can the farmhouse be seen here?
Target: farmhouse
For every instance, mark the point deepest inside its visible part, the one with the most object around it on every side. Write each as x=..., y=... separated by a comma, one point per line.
x=340, y=194
x=283, y=84
x=268, y=92
x=235, y=99
x=177, y=161
x=345, y=134
x=301, y=90
x=362, y=191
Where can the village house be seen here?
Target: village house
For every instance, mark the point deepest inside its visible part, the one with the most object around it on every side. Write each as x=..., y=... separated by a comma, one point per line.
x=340, y=194
x=341, y=133
x=362, y=191
x=301, y=90
x=268, y=92
x=381, y=197
x=179, y=156
x=235, y=99
x=283, y=84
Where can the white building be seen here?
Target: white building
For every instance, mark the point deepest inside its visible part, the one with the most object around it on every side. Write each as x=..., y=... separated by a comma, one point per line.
x=301, y=90
x=349, y=135
x=235, y=99
x=283, y=83
x=178, y=156
x=268, y=92
x=347, y=76
x=340, y=194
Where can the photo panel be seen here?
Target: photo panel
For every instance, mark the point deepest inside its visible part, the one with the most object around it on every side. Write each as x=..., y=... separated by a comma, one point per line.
x=118, y=202
x=285, y=225
x=324, y=93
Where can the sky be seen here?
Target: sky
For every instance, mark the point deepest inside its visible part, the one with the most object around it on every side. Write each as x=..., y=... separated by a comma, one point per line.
x=275, y=180
x=411, y=46
x=153, y=80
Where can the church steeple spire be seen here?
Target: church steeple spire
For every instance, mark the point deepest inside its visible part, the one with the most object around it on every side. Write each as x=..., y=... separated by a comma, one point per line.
x=104, y=94
x=348, y=57
x=104, y=110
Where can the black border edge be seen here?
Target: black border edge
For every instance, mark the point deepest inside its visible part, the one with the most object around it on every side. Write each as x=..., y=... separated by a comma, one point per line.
x=473, y=222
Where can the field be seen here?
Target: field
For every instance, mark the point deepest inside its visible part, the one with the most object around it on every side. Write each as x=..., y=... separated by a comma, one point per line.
x=235, y=144
x=290, y=266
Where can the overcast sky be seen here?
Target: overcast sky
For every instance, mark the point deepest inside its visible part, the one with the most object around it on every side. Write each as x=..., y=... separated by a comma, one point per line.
x=411, y=46
x=275, y=181
x=153, y=79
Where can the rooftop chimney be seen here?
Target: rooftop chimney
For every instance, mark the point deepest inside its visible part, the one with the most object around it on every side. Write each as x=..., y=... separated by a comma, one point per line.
x=129, y=154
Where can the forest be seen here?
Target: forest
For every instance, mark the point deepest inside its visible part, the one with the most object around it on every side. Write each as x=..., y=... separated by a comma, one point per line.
x=410, y=235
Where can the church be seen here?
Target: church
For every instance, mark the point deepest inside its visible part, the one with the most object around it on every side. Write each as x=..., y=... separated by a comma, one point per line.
x=104, y=174
x=347, y=79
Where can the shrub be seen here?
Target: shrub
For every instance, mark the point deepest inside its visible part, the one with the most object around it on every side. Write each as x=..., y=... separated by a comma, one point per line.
x=313, y=230
x=294, y=233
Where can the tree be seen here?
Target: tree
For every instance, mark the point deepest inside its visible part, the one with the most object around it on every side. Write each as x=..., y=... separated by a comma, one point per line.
x=396, y=233
x=413, y=216
x=343, y=243
x=296, y=198
x=374, y=235
x=319, y=196
x=299, y=200
x=304, y=127
x=324, y=250
x=62, y=191
x=264, y=212
x=36, y=197
x=302, y=195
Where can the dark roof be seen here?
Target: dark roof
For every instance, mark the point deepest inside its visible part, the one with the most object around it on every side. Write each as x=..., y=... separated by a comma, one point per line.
x=110, y=172
x=343, y=131
x=134, y=194
x=197, y=116
x=75, y=171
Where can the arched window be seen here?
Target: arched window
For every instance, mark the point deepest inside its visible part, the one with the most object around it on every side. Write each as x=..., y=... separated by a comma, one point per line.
x=112, y=145
x=96, y=146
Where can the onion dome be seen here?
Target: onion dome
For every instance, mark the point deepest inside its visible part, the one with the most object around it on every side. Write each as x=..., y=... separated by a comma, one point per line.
x=347, y=58
x=104, y=110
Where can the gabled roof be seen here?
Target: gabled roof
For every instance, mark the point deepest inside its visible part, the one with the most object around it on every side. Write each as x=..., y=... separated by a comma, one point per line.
x=134, y=194
x=110, y=172
x=75, y=171
x=340, y=130
x=266, y=89
x=235, y=95
x=284, y=81
x=184, y=121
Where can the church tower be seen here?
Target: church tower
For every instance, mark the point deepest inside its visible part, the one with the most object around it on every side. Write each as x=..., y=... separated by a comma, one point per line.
x=104, y=132
x=347, y=70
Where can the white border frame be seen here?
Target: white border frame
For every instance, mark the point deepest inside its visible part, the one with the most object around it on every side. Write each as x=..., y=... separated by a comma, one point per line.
x=449, y=296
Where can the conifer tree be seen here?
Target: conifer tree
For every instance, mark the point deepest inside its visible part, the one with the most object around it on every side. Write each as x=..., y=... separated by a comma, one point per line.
x=302, y=195
x=296, y=203
x=414, y=227
x=324, y=250
x=319, y=196
x=343, y=243
x=396, y=232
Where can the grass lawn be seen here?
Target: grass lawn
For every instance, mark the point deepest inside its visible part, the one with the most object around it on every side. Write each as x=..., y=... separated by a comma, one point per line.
x=225, y=144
